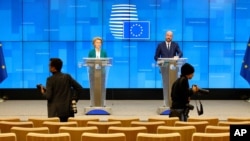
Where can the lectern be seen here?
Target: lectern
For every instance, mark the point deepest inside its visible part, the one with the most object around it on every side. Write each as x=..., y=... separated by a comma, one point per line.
x=170, y=70
x=98, y=69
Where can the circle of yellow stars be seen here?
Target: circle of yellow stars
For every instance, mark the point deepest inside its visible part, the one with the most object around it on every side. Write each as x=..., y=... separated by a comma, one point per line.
x=136, y=26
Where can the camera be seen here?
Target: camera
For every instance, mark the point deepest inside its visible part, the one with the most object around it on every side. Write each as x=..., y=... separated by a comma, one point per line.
x=200, y=90
x=73, y=106
x=189, y=107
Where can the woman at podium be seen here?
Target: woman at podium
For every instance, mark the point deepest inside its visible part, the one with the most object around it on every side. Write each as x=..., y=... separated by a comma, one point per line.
x=97, y=52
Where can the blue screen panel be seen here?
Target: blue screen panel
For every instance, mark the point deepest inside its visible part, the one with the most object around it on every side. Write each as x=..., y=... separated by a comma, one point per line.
x=13, y=60
x=221, y=65
x=197, y=55
x=169, y=17
x=35, y=20
x=222, y=20
x=142, y=65
x=65, y=51
x=195, y=20
x=62, y=20
x=35, y=63
x=11, y=20
x=242, y=20
x=89, y=19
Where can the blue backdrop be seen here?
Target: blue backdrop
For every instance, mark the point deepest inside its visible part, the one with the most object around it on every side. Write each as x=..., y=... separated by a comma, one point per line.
x=212, y=34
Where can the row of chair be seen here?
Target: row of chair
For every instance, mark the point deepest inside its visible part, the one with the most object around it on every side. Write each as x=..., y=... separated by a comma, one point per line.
x=114, y=136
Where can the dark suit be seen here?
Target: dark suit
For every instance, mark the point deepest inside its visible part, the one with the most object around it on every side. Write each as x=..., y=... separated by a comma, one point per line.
x=92, y=54
x=163, y=52
x=59, y=95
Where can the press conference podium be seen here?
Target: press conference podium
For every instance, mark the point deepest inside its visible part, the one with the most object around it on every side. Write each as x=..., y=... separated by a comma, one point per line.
x=97, y=72
x=170, y=70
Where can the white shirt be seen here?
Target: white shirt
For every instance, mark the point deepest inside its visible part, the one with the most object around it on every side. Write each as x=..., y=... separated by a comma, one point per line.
x=168, y=44
x=98, y=54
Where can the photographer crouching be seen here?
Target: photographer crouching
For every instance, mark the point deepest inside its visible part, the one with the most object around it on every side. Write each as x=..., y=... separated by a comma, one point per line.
x=181, y=93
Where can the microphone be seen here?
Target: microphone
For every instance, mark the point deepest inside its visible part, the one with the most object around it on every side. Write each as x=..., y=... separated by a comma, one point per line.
x=203, y=90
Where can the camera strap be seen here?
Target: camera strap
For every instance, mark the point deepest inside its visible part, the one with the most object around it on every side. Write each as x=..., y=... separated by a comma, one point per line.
x=199, y=110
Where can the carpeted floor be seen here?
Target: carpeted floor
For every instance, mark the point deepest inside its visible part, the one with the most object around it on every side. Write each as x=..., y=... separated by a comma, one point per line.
x=132, y=108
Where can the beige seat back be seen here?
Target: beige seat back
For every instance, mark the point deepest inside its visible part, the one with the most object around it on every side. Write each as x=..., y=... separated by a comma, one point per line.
x=7, y=137
x=151, y=126
x=82, y=121
x=158, y=137
x=38, y=121
x=48, y=137
x=103, y=137
x=169, y=121
x=54, y=126
x=21, y=132
x=5, y=126
x=103, y=125
x=186, y=132
x=125, y=121
x=217, y=129
x=199, y=125
x=211, y=137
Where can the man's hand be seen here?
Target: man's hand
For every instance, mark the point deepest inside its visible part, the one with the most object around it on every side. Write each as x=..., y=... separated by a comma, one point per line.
x=42, y=89
x=195, y=88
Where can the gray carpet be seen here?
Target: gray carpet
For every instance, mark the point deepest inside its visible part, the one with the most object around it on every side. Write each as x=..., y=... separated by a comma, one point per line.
x=130, y=108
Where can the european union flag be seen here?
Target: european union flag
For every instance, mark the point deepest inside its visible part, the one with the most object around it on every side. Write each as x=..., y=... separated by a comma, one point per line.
x=245, y=68
x=3, y=72
x=136, y=30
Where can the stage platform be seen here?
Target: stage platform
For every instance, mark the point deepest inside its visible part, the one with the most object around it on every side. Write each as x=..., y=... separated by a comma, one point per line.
x=127, y=108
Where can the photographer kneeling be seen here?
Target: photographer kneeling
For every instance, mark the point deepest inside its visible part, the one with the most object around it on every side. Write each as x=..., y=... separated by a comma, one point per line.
x=181, y=93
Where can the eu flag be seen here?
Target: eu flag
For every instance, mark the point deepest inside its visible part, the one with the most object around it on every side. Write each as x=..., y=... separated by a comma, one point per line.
x=245, y=68
x=136, y=30
x=3, y=72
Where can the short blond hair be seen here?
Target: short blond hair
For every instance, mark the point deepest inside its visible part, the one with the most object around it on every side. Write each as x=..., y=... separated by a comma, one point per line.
x=96, y=38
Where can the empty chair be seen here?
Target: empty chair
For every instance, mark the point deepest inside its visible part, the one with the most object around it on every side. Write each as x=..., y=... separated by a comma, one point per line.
x=103, y=137
x=21, y=132
x=186, y=132
x=5, y=126
x=38, y=121
x=76, y=132
x=210, y=137
x=10, y=119
x=235, y=119
x=151, y=126
x=103, y=126
x=210, y=120
x=82, y=121
x=169, y=121
x=217, y=129
x=125, y=121
x=199, y=125
x=158, y=137
x=130, y=132
x=7, y=137
x=48, y=137
x=228, y=123
x=54, y=126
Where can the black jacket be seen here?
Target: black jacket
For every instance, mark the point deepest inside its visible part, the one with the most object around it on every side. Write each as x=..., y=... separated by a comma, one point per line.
x=59, y=94
x=180, y=93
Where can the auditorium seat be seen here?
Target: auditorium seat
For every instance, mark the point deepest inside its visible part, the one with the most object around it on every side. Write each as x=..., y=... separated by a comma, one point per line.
x=103, y=125
x=211, y=137
x=130, y=132
x=217, y=129
x=76, y=132
x=210, y=120
x=48, y=137
x=103, y=137
x=21, y=132
x=199, y=125
x=38, y=121
x=228, y=123
x=54, y=126
x=235, y=119
x=158, y=137
x=186, y=132
x=5, y=126
x=169, y=121
x=10, y=119
x=82, y=121
x=125, y=121
x=151, y=126
x=7, y=137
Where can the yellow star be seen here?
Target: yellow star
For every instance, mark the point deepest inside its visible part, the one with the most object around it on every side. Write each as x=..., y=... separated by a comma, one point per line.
x=3, y=66
x=245, y=66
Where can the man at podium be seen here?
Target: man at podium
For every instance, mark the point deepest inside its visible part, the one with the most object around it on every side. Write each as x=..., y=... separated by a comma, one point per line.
x=97, y=52
x=168, y=48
